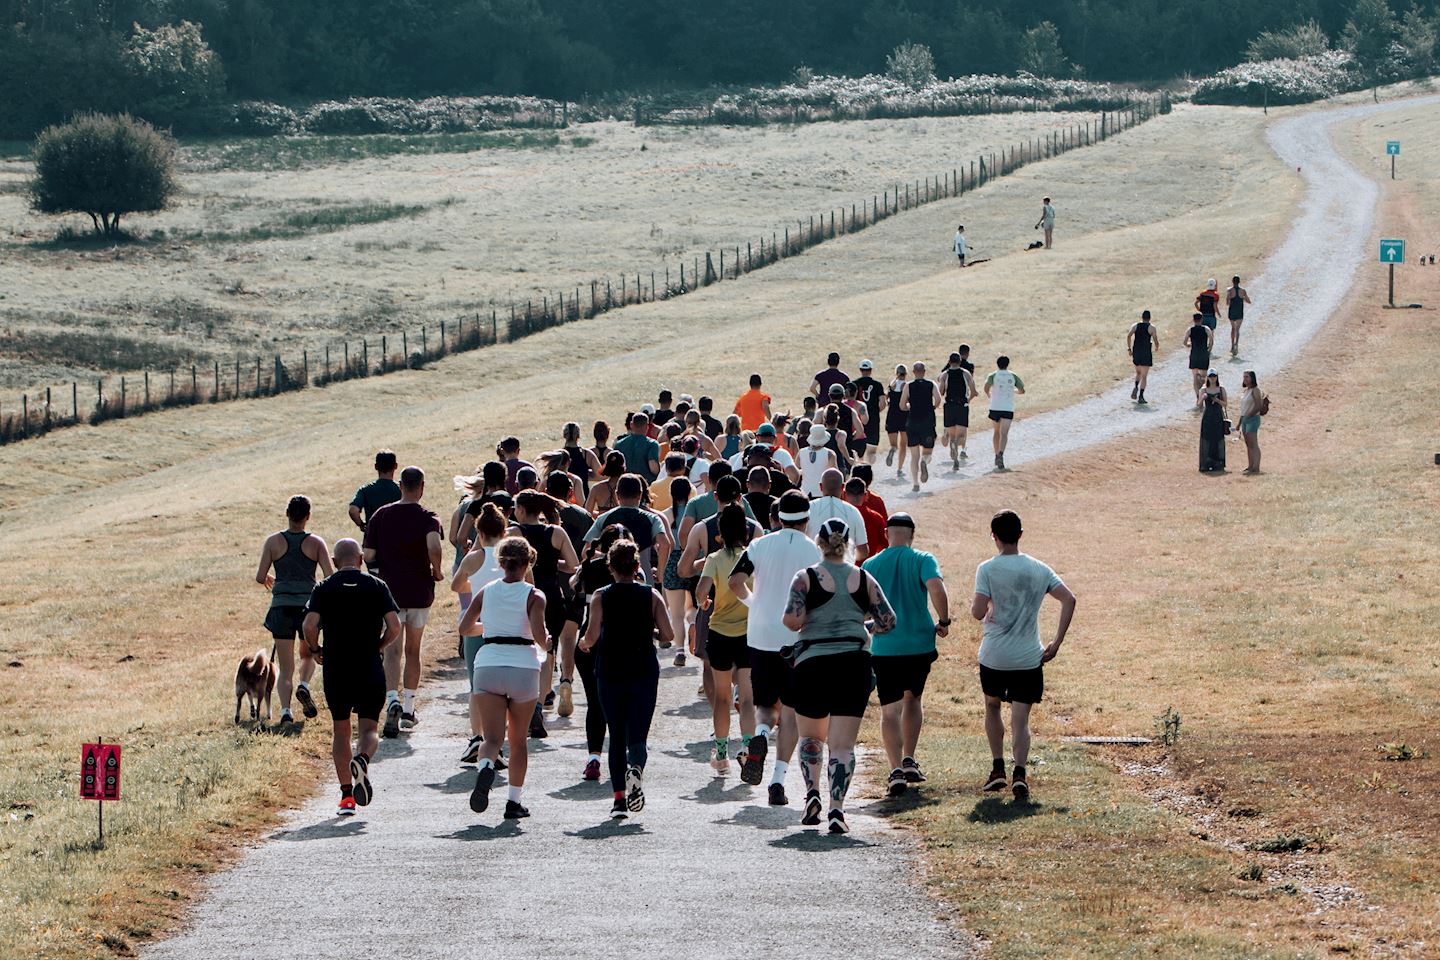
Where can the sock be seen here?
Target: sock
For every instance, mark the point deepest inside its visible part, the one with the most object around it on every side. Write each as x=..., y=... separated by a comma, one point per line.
x=722, y=748
x=762, y=730
x=745, y=742
x=409, y=701
x=998, y=764
x=619, y=794
x=390, y=697
x=780, y=767
x=513, y=794
x=485, y=763
x=812, y=753
x=303, y=685
x=842, y=771
x=1019, y=770
x=595, y=757
x=347, y=790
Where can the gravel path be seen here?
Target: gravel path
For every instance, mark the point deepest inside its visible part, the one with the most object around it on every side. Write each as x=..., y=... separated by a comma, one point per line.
x=708, y=869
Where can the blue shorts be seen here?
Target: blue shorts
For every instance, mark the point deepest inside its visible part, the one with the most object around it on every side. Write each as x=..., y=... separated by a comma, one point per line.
x=1250, y=424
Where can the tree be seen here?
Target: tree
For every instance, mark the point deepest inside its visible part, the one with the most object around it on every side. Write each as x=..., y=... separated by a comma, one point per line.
x=1040, y=51
x=911, y=64
x=1418, y=35
x=171, y=69
x=1370, y=36
x=104, y=166
x=1292, y=43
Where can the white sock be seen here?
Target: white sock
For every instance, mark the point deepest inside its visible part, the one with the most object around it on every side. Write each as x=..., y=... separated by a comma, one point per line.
x=409, y=701
x=303, y=685
x=762, y=730
x=485, y=763
x=780, y=767
x=513, y=794
x=595, y=757
x=390, y=697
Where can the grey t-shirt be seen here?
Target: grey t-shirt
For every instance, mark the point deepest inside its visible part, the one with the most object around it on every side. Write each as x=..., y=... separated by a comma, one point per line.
x=1016, y=585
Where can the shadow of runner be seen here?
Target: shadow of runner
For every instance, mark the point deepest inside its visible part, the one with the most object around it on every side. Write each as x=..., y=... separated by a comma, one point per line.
x=1000, y=810
x=333, y=829
x=911, y=799
x=699, y=751
x=695, y=710
x=395, y=748
x=608, y=829
x=763, y=818
x=480, y=831
x=462, y=782
x=813, y=841
x=716, y=792
x=584, y=790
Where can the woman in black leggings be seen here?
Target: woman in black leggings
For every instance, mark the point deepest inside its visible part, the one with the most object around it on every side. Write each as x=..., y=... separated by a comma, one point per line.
x=624, y=618
x=594, y=575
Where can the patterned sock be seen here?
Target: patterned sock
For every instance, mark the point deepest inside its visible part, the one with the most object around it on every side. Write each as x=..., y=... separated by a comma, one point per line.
x=842, y=771
x=722, y=748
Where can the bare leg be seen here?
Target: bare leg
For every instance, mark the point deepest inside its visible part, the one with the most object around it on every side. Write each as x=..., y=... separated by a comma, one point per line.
x=477, y=726
x=413, y=636
x=912, y=717
x=720, y=702
x=519, y=761
x=995, y=728
x=747, y=702
x=812, y=750
x=1020, y=732
x=890, y=732
x=392, y=656
x=369, y=739
x=1143, y=375
x=568, y=638
x=285, y=670
x=340, y=750
x=675, y=604
x=788, y=736
x=915, y=466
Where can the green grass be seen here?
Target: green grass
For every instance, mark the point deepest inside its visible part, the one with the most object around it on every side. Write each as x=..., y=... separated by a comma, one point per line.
x=317, y=220
x=96, y=350
x=296, y=153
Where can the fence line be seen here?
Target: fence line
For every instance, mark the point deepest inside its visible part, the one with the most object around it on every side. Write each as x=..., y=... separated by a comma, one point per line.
x=214, y=382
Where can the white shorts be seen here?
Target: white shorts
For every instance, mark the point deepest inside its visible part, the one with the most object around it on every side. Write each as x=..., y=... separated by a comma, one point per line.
x=415, y=617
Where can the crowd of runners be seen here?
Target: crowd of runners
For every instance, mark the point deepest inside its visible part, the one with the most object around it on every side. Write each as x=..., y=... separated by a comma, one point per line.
x=754, y=544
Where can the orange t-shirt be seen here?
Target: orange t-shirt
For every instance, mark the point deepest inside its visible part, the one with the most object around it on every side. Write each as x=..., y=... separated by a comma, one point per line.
x=751, y=408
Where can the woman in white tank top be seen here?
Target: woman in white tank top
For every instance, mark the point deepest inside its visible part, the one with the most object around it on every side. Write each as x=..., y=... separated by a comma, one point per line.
x=479, y=567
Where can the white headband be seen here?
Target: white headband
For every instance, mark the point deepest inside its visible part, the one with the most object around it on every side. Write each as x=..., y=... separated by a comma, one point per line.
x=792, y=517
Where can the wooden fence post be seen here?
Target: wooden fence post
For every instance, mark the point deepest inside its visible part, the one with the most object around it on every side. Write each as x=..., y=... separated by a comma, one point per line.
x=194, y=382
x=74, y=401
x=147, y=388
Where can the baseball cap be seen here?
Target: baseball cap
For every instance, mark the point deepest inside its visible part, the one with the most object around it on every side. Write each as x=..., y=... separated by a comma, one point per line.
x=765, y=430
x=901, y=520
x=837, y=390
x=866, y=365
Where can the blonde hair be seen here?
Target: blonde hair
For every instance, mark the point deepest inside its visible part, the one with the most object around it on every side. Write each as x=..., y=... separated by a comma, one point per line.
x=514, y=553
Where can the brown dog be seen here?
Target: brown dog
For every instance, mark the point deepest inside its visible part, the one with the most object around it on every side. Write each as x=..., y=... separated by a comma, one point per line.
x=255, y=678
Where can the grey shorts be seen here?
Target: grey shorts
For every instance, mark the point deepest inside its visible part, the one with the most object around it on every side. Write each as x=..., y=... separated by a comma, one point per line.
x=513, y=683
x=415, y=616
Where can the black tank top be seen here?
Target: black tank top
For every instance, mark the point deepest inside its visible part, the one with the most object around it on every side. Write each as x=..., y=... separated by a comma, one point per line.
x=1237, y=304
x=955, y=391
x=627, y=630
x=922, y=401
x=895, y=397
x=579, y=465
x=541, y=536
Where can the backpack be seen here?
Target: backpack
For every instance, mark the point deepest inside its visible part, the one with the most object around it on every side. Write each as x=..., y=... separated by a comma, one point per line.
x=1265, y=405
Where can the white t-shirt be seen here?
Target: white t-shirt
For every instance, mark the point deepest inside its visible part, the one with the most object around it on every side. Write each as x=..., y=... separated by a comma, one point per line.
x=1002, y=385
x=504, y=613
x=1016, y=585
x=824, y=508
x=772, y=562
x=698, y=473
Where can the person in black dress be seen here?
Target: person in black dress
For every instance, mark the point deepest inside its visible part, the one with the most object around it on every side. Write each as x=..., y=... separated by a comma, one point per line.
x=1142, y=344
x=1212, y=424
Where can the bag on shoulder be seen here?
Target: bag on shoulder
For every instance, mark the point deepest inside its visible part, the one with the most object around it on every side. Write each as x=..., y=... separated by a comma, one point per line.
x=1264, y=405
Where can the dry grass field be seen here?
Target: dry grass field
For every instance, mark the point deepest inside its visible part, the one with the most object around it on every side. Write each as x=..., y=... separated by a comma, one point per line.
x=126, y=552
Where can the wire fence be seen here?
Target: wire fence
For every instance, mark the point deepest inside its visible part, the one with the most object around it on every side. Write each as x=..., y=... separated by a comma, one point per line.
x=319, y=365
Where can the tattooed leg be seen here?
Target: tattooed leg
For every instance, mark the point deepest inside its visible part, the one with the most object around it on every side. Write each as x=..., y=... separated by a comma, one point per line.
x=812, y=752
x=842, y=771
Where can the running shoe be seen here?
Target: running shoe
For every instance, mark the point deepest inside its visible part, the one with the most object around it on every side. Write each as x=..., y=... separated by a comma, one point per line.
x=954, y=462
x=537, y=725
x=567, y=699
x=900, y=474
x=680, y=659
x=1000, y=460
x=813, y=809
x=890, y=457
x=837, y=822
x=360, y=777
x=409, y=720
x=665, y=644
x=480, y=796
x=471, y=752
x=1019, y=785
x=617, y=809
x=592, y=770
x=1135, y=390
x=995, y=781
x=915, y=488
x=307, y=703
x=346, y=808
x=911, y=769
x=777, y=795
x=752, y=769
x=513, y=811
x=550, y=699
x=924, y=471
x=286, y=718
x=964, y=454
x=500, y=764
x=720, y=758
x=392, y=720
x=634, y=792
x=895, y=785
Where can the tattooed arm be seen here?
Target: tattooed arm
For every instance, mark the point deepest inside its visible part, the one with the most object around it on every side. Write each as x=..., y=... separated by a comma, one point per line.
x=795, y=614
x=881, y=615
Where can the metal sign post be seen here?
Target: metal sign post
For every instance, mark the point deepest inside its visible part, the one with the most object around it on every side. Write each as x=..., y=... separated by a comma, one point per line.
x=1391, y=253
x=100, y=777
x=1392, y=147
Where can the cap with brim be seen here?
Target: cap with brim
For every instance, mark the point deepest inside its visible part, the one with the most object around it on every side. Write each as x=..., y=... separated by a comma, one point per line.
x=901, y=520
x=647, y=408
x=1212, y=372
x=765, y=430
x=867, y=365
x=836, y=390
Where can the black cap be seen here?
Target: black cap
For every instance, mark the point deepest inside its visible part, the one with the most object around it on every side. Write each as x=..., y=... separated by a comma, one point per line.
x=901, y=520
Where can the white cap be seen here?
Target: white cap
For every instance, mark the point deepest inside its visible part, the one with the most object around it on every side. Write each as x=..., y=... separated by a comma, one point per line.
x=1210, y=284
x=866, y=365
x=647, y=408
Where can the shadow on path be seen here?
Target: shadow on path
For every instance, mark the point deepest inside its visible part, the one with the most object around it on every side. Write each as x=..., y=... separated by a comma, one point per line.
x=608, y=829
x=813, y=841
x=328, y=830
x=480, y=831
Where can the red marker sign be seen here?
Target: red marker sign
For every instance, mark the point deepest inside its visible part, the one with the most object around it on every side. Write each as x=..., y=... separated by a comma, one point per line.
x=100, y=771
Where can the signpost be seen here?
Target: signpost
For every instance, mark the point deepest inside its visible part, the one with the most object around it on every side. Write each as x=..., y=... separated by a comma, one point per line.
x=100, y=776
x=1392, y=147
x=1392, y=252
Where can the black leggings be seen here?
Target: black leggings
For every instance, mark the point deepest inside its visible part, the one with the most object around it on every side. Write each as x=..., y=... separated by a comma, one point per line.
x=629, y=702
x=594, y=711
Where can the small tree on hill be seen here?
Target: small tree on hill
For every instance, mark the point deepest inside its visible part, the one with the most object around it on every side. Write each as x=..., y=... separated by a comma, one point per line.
x=912, y=64
x=1371, y=36
x=1040, y=51
x=1292, y=43
x=104, y=166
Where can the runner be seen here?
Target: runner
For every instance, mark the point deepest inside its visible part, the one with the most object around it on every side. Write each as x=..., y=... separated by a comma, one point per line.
x=865, y=473
x=679, y=590
x=601, y=434
x=1253, y=406
x=859, y=431
x=831, y=679
x=575, y=521
x=507, y=451
x=403, y=540
x=1200, y=341
x=911, y=581
x=816, y=460
x=838, y=421
x=1047, y=220
x=674, y=467
x=726, y=650
x=706, y=407
x=359, y=620
x=960, y=244
x=378, y=492
x=1207, y=301
x=768, y=452
x=480, y=567
x=647, y=528
x=757, y=495
x=829, y=505
x=584, y=464
x=663, y=412
x=537, y=519
x=895, y=420
x=1235, y=300
x=730, y=441
x=642, y=453
x=624, y=619
x=753, y=407
x=1009, y=590
x=1141, y=342
x=918, y=399
x=294, y=553
x=602, y=494
x=831, y=376
x=855, y=494
x=761, y=580
x=957, y=386
x=594, y=574
x=507, y=670
x=1000, y=388
x=871, y=392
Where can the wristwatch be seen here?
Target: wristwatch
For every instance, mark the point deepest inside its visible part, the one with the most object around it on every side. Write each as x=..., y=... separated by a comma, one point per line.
x=943, y=623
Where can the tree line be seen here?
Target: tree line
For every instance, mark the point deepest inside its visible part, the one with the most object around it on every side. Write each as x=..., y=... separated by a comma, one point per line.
x=168, y=59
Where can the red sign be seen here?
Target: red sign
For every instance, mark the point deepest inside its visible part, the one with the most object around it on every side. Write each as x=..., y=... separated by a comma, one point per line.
x=100, y=771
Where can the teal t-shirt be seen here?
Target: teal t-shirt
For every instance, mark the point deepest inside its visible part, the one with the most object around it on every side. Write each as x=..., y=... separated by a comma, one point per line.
x=901, y=573
x=639, y=452
x=705, y=506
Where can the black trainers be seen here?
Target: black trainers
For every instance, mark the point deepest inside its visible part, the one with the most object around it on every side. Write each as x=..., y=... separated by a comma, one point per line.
x=895, y=786
x=752, y=770
x=995, y=781
x=513, y=811
x=1019, y=785
x=307, y=706
x=911, y=770
x=392, y=720
x=777, y=795
x=1135, y=390
x=471, y=753
x=537, y=725
x=617, y=809
x=813, y=808
x=837, y=822
x=480, y=796
x=924, y=471
x=360, y=787
x=500, y=764
x=409, y=719
x=550, y=699
x=634, y=792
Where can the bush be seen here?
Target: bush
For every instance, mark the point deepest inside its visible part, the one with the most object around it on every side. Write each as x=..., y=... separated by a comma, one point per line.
x=1293, y=43
x=104, y=166
x=1281, y=81
x=912, y=64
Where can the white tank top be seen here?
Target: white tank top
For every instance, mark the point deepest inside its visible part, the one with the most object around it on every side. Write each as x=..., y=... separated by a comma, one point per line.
x=504, y=614
x=812, y=468
x=489, y=570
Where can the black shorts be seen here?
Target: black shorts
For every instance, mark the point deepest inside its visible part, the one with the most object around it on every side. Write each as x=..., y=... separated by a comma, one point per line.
x=894, y=420
x=351, y=689
x=1013, y=686
x=896, y=675
x=284, y=622
x=998, y=415
x=831, y=685
x=769, y=676
x=957, y=414
x=557, y=610
x=922, y=436
x=575, y=610
x=727, y=653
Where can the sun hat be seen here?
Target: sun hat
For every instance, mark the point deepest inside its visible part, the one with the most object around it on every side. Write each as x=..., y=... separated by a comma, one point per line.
x=819, y=436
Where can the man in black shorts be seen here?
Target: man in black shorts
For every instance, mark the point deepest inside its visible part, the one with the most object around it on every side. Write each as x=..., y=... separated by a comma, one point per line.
x=957, y=386
x=359, y=618
x=871, y=392
x=918, y=398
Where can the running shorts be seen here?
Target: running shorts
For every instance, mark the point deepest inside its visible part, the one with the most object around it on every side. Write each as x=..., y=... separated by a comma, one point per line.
x=702, y=634
x=830, y=685
x=896, y=675
x=923, y=437
x=513, y=683
x=414, y=616
x=284, y=622
x=998, y=415
x=354, y=689
x=957, y=414
x=769, y=676
x=895, y=420
x=727, y=653
x=1013, y=686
